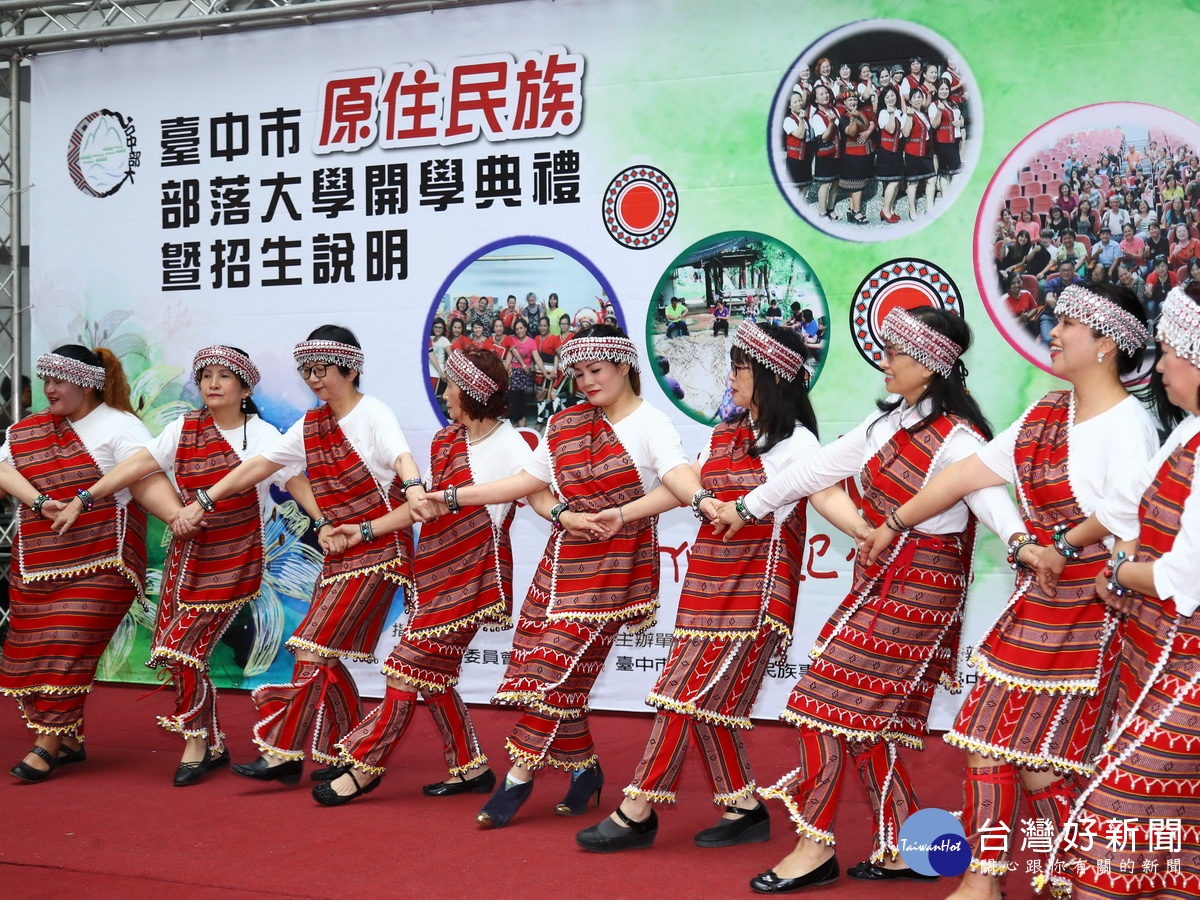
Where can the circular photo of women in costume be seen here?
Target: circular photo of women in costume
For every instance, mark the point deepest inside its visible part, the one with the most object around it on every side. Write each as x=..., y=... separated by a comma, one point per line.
x=874, y=130
x=522, y=300
x=710, y=289
x=1105, y=193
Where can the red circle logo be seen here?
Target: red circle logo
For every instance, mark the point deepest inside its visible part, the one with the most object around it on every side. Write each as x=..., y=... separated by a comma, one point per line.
x=640, y=207
x=909, y=283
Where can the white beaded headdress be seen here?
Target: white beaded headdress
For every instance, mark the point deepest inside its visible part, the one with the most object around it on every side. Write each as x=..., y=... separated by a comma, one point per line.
x=331, y=352
x=237, y=363
x=64, y=368
x=926, y=345
x=1104, y=316
x=612, y=349
x=783, y=361
x=1179, y=325
x=469, y=377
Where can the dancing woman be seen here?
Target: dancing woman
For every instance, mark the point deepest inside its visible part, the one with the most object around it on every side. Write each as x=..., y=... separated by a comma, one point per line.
x=1039, y=708
x=463, y=572
x=69, y=593
x=208, y=578
x=613, y=450
x=1150, y=766
x=901, y=619
x=359, y=465
x=738, y=603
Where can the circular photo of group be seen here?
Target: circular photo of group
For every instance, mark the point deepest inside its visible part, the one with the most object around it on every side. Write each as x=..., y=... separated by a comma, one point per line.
x=520, y=299
x=874, y=130
x=1106, y=193
x=706, y=293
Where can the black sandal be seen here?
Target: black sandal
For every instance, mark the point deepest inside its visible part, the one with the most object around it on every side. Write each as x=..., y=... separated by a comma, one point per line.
x=26, y=772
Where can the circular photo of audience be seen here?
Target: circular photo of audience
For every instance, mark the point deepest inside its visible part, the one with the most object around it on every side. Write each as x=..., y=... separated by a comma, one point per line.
x=706, y=293
x=874, y=130
x=1106, y=193
x=522, y=300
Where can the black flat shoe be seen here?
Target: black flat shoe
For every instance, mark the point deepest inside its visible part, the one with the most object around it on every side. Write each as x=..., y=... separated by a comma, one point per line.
x=286, y=773
x=26, y=772
x=503, y=805
x=327, y=773
x=483, y=783
x=868, y=871
x=753, y=826
x=324, y=793
x=770, y=883
x=609, y=837
x=192, y=772
x=67, y=756
x=581, y=791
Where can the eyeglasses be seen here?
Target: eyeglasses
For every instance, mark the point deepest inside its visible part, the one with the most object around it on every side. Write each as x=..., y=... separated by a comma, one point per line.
x=737, y=369
x=318, y=370
x=891, y=353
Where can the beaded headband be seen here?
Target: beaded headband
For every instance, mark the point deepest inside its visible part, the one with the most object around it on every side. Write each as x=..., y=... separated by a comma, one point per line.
x=1179, y=325
x=926, y=345
x=63, y=368
x=237, y=363
x=613, y=349
x=1102, y=315
x=334, y=352
x=783, y=361
x=469, y=377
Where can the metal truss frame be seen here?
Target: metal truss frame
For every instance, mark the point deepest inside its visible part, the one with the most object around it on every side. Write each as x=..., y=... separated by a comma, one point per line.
x=31, y=28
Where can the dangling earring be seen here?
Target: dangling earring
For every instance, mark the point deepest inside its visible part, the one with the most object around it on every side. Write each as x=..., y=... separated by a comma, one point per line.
x=1100, y=357
x=244, y=399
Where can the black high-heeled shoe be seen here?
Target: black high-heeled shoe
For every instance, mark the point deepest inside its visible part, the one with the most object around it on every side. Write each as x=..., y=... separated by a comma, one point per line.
x=607, y=836
x=285, y=773
x=483, y=783
x=752, y=826
x=191, y=772
x=325, y=794
x=582, y=789
x=503, y=805
x=770, y=883
x=69, y=756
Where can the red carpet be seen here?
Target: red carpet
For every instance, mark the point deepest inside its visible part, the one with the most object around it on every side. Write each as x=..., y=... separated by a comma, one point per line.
x=114, y=826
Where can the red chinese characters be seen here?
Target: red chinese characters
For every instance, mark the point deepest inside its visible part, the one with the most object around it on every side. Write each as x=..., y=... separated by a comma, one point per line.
x=495, y=96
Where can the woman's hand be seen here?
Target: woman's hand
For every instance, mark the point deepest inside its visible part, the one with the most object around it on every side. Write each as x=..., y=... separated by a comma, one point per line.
x=580, y=525
x=1047, y=565
x=63, y=514
x=352, y=535
x=711, y=507
x=332, y=541
x=874, y=543
x=1116, y=604
x=727, y=520
x=187, y=521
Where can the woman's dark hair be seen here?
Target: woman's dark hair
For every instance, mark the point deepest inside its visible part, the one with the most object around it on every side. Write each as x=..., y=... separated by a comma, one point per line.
x=604, y=330
x=891, y=88
x=116, y=386
x=342, y=336
x=437, y=320
x=497, y=405
x=1014, y=277
x=1169, y=415
x=1124, y=298
x=248, y=405
x=521, y=320
x=552, y=296
x=781, y=403
x=946, y=393
x=462, y=328
x=461, y=301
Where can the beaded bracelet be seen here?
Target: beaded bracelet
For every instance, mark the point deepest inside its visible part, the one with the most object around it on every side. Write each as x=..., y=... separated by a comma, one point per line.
x=85, y=497
x=37, y=504
x=893, y=522
x=1110, y=572
x=367, y=532
x=697, y=498
x=556, y=512
x=410, y=483
x=1065, y=548
x=320, y=523
x=740, y=506
x=1014, y=550
x=205, y=501
x=451, y=499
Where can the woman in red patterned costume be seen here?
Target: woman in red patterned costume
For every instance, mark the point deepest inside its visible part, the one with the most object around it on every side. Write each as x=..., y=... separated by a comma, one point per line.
x=612, y=450
x=464, y=583
x=356, y=457
x=1142, y=806
x=70, y=593
x=210, y=577
x=900, y=623
x=1038, y=712
x=738, y=603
